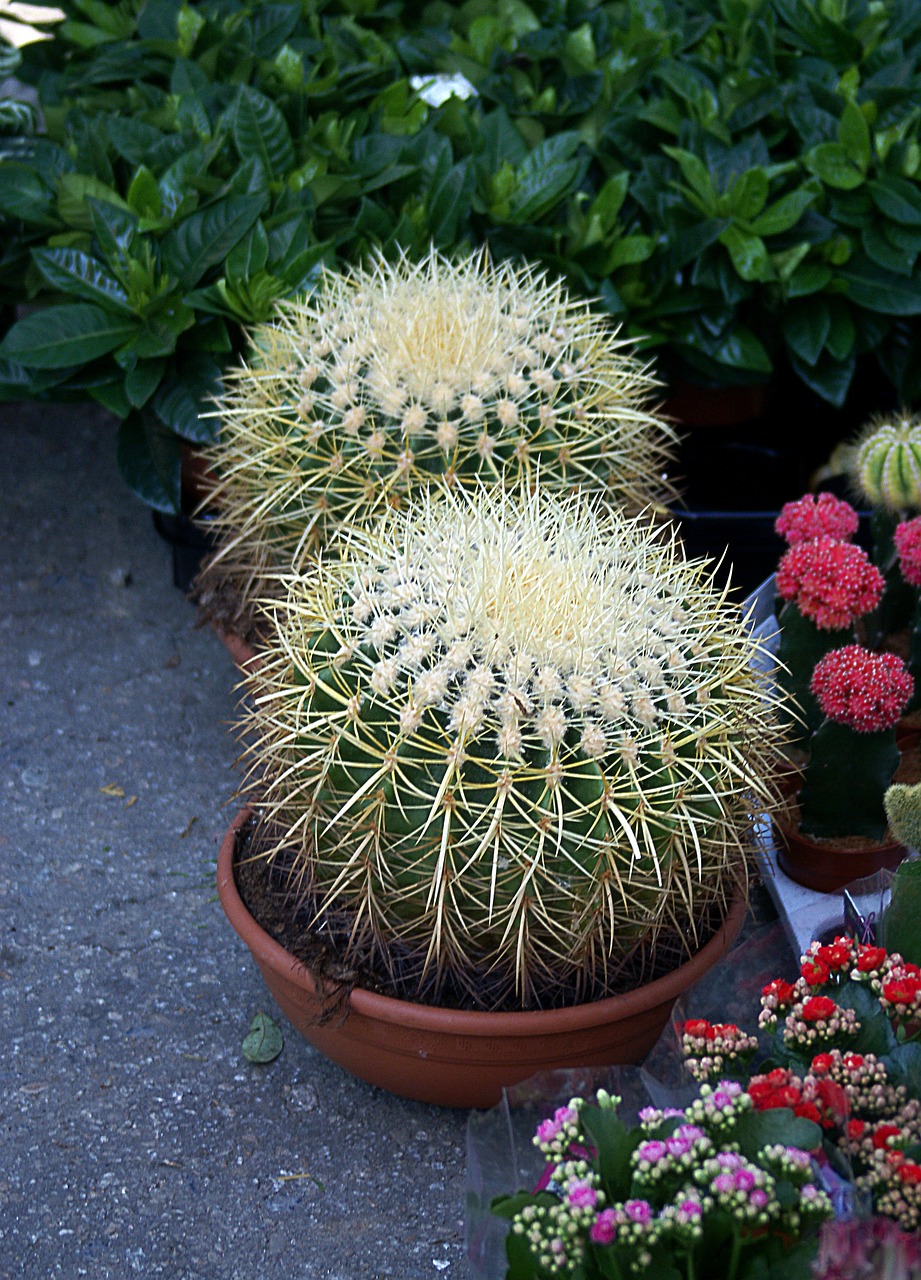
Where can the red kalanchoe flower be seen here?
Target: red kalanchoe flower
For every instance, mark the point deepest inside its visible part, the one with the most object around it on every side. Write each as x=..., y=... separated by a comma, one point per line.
x=910, y=1173
x=699, y=1028
x=855, y=1129
x=883, y=1134
x=822, y=1063
x=837, y=955
x=863, y=690
x=783, y=992
x=908, y=544
x=869, y=958
x=814, y=517
x=818, y=1008
x=832, y=582
x=902, y=990
x=815, y=972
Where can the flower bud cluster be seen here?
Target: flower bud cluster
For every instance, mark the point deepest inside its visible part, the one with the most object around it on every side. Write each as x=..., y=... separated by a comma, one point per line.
x=907, y=538
x=719, y=1107
x=865, y=691
x=742, y=1188
x=677, y=1153
x=818, y=1020
x=708, y=1047
x=556, y=1135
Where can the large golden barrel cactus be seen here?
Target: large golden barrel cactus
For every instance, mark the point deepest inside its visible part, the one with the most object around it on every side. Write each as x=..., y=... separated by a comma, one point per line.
x=514, y=742
x=396, y=375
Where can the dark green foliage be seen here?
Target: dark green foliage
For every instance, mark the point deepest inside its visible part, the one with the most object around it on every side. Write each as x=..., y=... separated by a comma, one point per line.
x=738, y=183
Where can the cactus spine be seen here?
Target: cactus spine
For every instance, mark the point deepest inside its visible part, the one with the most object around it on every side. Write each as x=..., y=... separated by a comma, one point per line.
x=515, y=737
x=397, y=375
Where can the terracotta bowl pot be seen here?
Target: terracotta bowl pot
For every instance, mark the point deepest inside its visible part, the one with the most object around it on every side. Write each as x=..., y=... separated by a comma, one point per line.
x=455, y=1057
x=826, y=867
x=243, y=654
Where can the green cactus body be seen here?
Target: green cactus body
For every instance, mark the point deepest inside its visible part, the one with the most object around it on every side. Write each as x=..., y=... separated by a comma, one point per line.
x=514, y=739
x=900, y=923
x=398, y=375
x=846, y=782
x=885, y=464
x=802, y=644
x=903, y=809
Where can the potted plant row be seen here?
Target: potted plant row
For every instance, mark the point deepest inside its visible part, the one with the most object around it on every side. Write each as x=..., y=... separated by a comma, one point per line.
x=739, y=188
x=846, y=658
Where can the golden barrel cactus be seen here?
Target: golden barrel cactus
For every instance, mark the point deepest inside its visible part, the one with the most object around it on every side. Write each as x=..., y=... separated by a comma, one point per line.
x=885, y=463
x=514, y=742
x=396, y=375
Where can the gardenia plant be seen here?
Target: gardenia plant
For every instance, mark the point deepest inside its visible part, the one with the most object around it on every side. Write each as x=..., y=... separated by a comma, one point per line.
x=397, y=375
x=843, y=1052
x=717, y=1191
x=513, y=741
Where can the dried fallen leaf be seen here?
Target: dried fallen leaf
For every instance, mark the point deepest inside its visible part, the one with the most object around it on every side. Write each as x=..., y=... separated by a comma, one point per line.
x=264, y=1042
x=113, y=789
x=130, y=801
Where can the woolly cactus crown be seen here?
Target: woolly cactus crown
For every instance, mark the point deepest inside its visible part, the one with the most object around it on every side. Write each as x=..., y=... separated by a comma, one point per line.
x=399, y=374
x=885, y=463
x=514, y=737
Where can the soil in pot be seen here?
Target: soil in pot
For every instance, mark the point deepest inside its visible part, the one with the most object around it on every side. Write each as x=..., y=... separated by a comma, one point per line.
x=455, y=1057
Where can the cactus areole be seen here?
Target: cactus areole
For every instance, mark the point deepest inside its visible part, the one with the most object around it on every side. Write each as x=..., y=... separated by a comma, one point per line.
x=515, y=738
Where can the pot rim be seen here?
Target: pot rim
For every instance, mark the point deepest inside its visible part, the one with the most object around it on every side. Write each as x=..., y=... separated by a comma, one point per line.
x=471, y=1022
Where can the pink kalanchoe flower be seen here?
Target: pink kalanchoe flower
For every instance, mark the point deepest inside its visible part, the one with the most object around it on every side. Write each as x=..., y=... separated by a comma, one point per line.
x=833, y=583
x=638, y=1211
x=822, y=515
x=863, y=690
x=581, y=1194
x=908, y=545
x=604, y=1228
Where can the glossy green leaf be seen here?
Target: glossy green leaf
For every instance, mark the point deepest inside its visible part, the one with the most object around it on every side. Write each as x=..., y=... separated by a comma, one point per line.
x=144, y=194
x=207, y=236
x=142, y=381
x=878, y=247
x=72, y=334
x=830, y=162
x=749, y=254
x=784, y=213
x=748, y=195
x=897, y=198
x=829, y=378
x=27, y=196
x=248, y=257
x=259, y=129
x=75, y=190
x=854, y=136
x=150, y=461
x=873, y=287
x=806, y=325
x=76, y=273
x=187, y=396
x=630, y=250
x=696, y=175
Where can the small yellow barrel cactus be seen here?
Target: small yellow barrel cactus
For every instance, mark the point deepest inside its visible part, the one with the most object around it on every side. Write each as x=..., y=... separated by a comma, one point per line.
x=397, y=375
x=515, y=741
x=885, y=463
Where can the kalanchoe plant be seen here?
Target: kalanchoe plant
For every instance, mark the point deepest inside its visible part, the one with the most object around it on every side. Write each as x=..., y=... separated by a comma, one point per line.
x=828, y=585
x=715, y=1190
x=513, y=739
x=395, y=376
x=843, y=1051
x=853, y=754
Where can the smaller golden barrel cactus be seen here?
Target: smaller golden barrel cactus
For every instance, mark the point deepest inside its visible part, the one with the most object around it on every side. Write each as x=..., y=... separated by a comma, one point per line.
x=885, y=463
x=513, y=739
x=903, y=810
x=397, y=375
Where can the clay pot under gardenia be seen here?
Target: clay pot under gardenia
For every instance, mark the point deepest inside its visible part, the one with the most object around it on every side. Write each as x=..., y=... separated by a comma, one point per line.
x=456, y=1057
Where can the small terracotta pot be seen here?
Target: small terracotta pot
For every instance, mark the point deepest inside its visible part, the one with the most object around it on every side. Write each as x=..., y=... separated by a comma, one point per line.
x=243, y=654
x=827, y=867
x=455, y=1057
